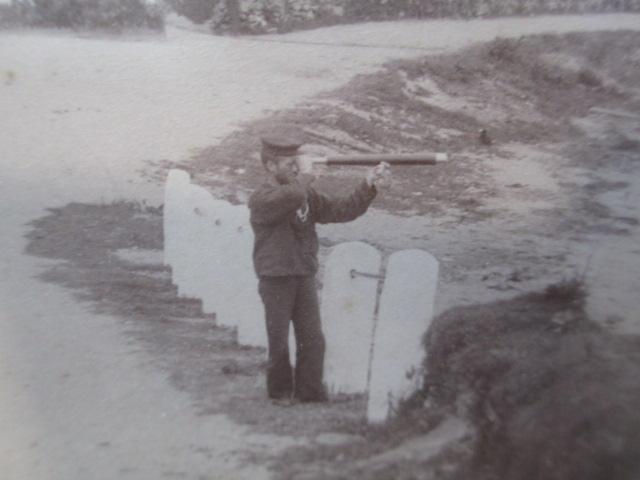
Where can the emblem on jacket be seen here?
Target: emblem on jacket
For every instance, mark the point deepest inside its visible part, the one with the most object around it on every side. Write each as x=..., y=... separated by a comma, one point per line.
x=303, y=212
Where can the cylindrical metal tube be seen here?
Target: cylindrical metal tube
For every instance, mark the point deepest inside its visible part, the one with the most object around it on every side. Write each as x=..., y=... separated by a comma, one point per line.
x=424, y=158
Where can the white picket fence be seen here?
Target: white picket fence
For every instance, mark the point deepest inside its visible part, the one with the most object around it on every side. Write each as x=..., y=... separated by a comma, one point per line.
x=208, y=245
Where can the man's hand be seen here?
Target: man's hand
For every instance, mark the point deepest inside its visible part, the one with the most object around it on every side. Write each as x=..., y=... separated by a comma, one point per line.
x=305, y=170
x=379, y=174
x=305, y=164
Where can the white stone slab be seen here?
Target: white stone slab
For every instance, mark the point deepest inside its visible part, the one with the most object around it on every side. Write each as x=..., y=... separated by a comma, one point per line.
x=182, y=202
x=348, y=305
x=196, y=260
x=208, y=244
x=230, y=287
x=242, y=303
x=406, y=309
x=221, y=255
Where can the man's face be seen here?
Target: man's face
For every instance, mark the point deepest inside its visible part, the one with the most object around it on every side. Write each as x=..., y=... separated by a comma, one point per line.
x=284, y=169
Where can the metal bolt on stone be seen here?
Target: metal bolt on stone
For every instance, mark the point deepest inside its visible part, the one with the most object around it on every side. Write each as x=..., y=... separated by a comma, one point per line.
x=354, y=273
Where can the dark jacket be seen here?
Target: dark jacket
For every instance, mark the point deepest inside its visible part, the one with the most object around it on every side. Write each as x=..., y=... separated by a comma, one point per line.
x=286, y=242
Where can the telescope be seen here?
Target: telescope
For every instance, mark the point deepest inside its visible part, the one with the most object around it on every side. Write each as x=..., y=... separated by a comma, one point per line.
x=393, y=159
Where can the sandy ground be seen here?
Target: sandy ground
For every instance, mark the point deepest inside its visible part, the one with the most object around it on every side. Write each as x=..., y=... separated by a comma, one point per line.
x=80, y=118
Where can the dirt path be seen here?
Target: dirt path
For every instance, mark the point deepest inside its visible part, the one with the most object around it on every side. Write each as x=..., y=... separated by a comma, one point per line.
x=81, y=117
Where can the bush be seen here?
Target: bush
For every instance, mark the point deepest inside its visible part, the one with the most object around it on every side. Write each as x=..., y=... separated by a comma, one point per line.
x=551, y=395
x=92, y=14
x=260, y=16
x=263, y=16
x=8, y=17
x=198, y=11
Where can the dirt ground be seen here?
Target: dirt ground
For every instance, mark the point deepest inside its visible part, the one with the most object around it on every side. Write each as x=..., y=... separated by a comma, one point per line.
x=551, y=184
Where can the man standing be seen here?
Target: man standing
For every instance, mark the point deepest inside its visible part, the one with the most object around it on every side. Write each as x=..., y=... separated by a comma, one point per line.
x=284, y=211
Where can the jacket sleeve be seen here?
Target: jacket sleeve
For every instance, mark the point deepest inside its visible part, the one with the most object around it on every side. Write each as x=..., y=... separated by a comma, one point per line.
x=272, y=204
x=345, y=209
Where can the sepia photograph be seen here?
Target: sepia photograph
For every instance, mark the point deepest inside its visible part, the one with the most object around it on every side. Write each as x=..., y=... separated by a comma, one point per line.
x=320, y=239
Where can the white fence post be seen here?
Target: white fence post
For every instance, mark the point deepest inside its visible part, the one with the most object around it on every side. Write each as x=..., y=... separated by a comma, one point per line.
x=208, y=244
x=348, y=304
x=406, y=309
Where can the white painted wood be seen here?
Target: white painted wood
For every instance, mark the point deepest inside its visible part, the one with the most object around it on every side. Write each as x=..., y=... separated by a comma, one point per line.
x=184, y=207
x=221, y=255
x=406, y=309
x=208, y=244
x=242, y=300
x=199, y=252
x=347, y=306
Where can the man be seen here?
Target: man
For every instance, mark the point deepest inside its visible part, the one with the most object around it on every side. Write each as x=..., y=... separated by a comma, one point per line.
x=284, y=211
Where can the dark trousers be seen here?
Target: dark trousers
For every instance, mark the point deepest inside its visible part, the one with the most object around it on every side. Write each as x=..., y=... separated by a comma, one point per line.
x=293, y=299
